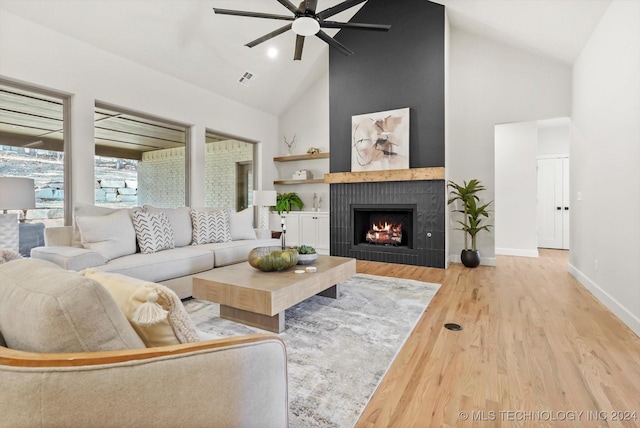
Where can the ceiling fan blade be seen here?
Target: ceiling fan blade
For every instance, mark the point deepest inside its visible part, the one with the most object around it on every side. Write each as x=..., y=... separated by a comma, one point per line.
x=338, y=8
x=252, y=14
x=334, y=43
x=268, y=36
x=310, y=6
x=289, y=5
x=354, y=25
x=299, y=45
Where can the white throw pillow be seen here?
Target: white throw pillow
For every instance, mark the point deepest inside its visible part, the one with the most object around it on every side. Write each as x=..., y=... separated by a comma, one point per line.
x=241, y=225
x=153, y=231
x=86, y=210
x=111, y=235
x=180, y=223
x=212, y=226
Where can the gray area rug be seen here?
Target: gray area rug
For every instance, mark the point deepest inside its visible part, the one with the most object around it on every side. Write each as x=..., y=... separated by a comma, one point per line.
x=338, y=350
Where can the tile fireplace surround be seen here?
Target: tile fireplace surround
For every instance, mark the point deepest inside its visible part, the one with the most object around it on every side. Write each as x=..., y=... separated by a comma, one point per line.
x=427, y=195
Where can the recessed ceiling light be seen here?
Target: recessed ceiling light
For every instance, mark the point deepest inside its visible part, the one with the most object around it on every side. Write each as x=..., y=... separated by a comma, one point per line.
x=272, y=52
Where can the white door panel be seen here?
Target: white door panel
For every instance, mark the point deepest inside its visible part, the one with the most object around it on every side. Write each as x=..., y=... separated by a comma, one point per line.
x=553, y=203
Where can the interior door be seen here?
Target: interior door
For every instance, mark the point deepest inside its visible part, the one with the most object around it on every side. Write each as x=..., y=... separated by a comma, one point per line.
x=553, y=203
x=565, y=203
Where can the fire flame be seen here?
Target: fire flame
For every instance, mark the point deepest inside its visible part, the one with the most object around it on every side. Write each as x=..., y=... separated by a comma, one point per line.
x=388, y=227
x=387, y=233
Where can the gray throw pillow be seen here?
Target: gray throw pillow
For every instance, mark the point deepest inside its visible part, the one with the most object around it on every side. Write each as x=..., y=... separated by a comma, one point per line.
x=209, y=227
x=180, y=223
x=153, y=231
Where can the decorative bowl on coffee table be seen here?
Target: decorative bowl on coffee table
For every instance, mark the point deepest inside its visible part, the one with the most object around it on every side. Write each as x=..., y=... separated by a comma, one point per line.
x=306, y=254
x=268, y=259
x=307, y=259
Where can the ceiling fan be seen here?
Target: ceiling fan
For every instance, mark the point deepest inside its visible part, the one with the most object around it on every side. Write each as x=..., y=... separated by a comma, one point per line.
x=306, y=22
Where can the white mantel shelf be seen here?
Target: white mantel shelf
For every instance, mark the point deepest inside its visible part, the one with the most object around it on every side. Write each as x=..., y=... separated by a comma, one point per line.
x=412, y=174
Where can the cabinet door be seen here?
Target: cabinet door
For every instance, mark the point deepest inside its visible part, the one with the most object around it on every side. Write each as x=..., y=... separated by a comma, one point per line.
x=292, y=222
x=322, y=244
x=308, y=229
x=314, y=231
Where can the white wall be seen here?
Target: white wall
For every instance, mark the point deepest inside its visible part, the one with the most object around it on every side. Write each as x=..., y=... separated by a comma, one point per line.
x=554, y=136
x=515, y=189
x=605, y=163
x=308, y=119
x=35, y=55
x=491, y=84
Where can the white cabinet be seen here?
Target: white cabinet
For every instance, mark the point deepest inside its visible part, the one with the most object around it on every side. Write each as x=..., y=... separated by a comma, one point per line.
x=314, y=231
x=304, y=227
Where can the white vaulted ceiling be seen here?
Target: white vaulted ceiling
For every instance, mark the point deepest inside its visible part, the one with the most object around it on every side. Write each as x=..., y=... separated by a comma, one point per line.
x=185, y=39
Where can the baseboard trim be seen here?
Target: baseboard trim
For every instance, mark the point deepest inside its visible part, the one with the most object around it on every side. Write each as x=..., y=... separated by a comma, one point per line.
x=516, y=252
x=606, y=299
x=484, y=261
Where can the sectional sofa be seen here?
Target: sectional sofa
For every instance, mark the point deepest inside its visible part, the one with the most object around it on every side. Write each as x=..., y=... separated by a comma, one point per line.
x=118, y=241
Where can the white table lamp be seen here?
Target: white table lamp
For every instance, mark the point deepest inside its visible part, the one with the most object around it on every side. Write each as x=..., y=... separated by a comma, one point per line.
x=263, y=199
x=16, y=193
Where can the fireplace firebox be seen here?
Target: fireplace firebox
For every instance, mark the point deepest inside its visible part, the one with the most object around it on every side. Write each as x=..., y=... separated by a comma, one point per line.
x=383, y=227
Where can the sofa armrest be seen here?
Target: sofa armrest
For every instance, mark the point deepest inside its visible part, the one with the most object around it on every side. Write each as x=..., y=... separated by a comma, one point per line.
x=263, y=233
x=229, y=382
x=58, y=236
x=70, y=258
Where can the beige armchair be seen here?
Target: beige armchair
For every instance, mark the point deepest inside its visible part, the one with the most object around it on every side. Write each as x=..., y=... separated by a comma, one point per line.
x=69, y=357
x=235, y=382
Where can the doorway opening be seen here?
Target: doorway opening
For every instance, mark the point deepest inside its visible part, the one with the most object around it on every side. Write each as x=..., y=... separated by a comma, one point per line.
x=528, y=191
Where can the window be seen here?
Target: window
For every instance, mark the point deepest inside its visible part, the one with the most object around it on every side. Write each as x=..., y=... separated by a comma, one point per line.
x=139, y=160
x=32, y=145
x=229, y=176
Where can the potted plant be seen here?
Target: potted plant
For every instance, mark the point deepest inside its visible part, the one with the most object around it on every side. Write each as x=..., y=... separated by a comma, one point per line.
x=473, y=214
x=306, y=254
x=285, y=201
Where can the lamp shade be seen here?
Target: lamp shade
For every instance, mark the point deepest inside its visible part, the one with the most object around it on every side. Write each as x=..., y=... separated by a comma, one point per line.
x=264, y=198
x=17, y=193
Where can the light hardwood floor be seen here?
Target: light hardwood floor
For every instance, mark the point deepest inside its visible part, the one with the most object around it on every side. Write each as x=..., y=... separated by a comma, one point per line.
x=535, y=344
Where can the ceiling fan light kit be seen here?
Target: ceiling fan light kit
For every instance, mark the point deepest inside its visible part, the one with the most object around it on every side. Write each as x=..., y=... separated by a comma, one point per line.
x=305, y=26
x=306, y=22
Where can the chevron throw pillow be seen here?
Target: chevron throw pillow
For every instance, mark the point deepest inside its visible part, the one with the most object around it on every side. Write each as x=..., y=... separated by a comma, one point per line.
x=210, y=226
x=153, y=231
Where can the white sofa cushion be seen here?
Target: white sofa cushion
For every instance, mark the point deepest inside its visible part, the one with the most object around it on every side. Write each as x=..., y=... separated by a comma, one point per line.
x=111, y=235
x=162, y=265
x=227, y=253
x=70, y=258
x=241, y=225
x=44, y=308
x=153, y=231
x=180, y=223
x=210, y=226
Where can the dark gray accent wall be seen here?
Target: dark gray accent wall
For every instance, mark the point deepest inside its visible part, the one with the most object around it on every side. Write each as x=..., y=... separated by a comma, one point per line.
x=397, y=69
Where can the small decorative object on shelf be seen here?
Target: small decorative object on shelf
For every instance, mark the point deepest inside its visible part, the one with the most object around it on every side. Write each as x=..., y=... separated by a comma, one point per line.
x=289, y=144
x=313, y=150
x=306, y=254
x=302, y=174
x=268, y=259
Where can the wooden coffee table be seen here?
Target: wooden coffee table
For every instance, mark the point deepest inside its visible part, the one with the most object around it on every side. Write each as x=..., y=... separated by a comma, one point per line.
x=259, y=299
